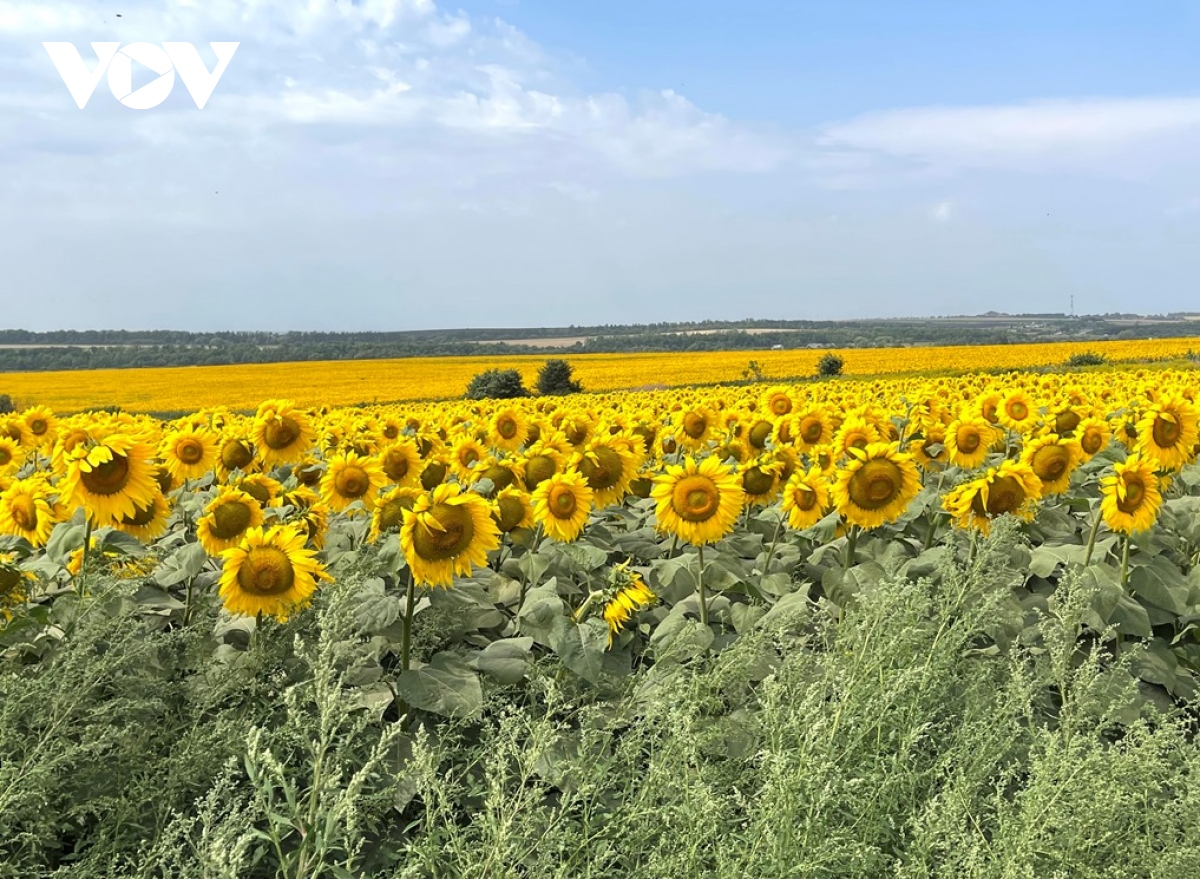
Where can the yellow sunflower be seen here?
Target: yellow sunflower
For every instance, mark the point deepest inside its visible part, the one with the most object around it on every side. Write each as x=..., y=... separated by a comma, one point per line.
x=465, y=455
x=875, y=485
x=698, y=502
x=930, y=451
x=1053, y=459
x=608, y=463
x=508, y=429
x=447, y=533
x=561, y=505
x=968, y=440
x=811, y=429
x=29, y=509
x=777, y=402
x=235, y=453
x=282, y=433
x=1018, y=412
x=261, y=487
x=226, y=519
x=41, y=425
x=113, y=480
x=1011, y=488
x=389, y=510
x=805, y=498
x=10, y=455
x=761, y=479
x=1094, y=435
x=696, y=426
x=856, y=432
x=540, y=463
x=401, y=462
x=1130, y=498
x=627, y=599
x=270, y=572
x=189, y=454
x=512, y=509
x=1167, y=433
x=352, y=477
x=148, y=522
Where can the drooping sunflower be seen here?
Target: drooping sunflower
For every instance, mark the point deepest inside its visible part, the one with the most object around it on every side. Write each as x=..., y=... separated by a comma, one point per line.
x=10, y=460
x=561, y=505
x=968, y=440
x=270, y=572
x=1053, y=459
x=1012, y=488
x=875, y=485
x=1167, y=432
x=189, y=454
x=1130, y=498
x=699, y=502
x=512, y=508
x=447, y=533
x=282, y=433
x=14, y=585
x=508, y=429
x=226, y=519
x=389, y=510
x=352, y=477
x=1094, y=435
x=805, y=498
x=28, y=509
x=148, y=522
x=113, y=480
x=630, y=595
x=401, y=462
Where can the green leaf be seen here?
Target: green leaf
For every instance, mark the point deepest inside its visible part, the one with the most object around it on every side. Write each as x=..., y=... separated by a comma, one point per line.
x=1046, y=558
x=506, y=660
x=543, y=611
x=184, y=564
x=581, y=647
x=680, y=637
x=375, y=611
x=1163, y=585
x=447, y=686
x=64, y=540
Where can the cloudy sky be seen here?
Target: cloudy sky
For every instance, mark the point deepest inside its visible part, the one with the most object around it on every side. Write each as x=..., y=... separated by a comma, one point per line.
x=396, y=164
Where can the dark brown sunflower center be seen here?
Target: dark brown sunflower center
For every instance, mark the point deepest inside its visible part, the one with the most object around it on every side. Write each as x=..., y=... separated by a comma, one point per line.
x=236, y=455
x=1050, y=463
x=38, y=426
x=512, y=511
x=10, y=578
x=231, y=519
x=876, y=484
x=1166, y=433
x=391, y=431
x=967, y=439
x=190, y=451
x=805, y=498
x=755, y=481
x=507, y=427
x=1017, y=410
x=602, y=469
x=577, y=432
x=281, y=432
x=811, y=430
x=647, y=434
x=1135, y=494
x=432, y=475
x=501, y=477
x=440, y=544
x=1091, y=441
x=391, y=514
x=538, y=469
x=6, y=456
x=351, y=481
x=468, y=456
x=24, y=512
x=266, y=570
x=857, y=441
x=141, y=516
x=395, y=464
x=109, y=477
x=759, y=434
x=696, y=498
x=1066, y=421
x=694, y=425
x=1005, y=495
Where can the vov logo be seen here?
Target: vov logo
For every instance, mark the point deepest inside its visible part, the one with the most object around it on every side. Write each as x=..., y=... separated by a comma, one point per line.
x=164, y=60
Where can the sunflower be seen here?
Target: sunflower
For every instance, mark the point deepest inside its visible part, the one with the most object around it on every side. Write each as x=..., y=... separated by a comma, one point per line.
x=1093, y=435
x=508, y=429
x=1012, y=488
x=627, y=599
x=282, y=433
x=261, y=487
x=1130, y=498
x=113, y=480
x=811, y=428
x=389, y=510
x=761, y=479
x=465, y=455
x=14, y=427
x=696, y=426
x=697, y=502
x=148, y=522
x=14, y=585
x=967, y=441
x=41, y=425
x=759, y=434
x=512, y=509
x=447, y=533
x=29, y=509
x=876, y=485
x=608, y=464
x=930, y=451
x=540, y=463
x=189, y=454
x=270, y=572
x=805, y=498
x=10, y=459
x=777, y=402
x=561, y=505
x=856, y=432
x=1017, y=412
x=352, y=477
x=1053, y=459
x=1167, y=433
x=401, y=462
x=234, y=453
x=226, y=520
x=434, y=472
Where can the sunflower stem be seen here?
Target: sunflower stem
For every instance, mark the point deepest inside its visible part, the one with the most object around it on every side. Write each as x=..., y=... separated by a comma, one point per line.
x=1125, y=562
x=774, y=542
x=187, y=602
x=674, y=544
x=851, y=545
x=406, y=636
x=700, y=587
x=87, y=544
x=1091, y=544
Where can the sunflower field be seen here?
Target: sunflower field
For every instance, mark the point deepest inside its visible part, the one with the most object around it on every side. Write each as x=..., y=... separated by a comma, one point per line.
x=910, y=626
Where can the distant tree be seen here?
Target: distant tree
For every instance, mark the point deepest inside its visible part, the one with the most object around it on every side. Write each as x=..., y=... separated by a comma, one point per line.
x=496, y=384
x=830, y=364
x=555, y=379
x=1087, y=358
x=6, y=404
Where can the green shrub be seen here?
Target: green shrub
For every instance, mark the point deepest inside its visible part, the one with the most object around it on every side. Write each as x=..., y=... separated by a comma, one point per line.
x=554, y=379
x=1087, y=358
x=497, y=384
x=830, y=365
x=6, y=404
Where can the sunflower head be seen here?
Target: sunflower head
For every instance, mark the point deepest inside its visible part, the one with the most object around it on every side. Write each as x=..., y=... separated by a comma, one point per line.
x=876, y=485
x=1130, y=497
x=698, y=501
x=446, y=534
x=561, y=505
x=270, y=573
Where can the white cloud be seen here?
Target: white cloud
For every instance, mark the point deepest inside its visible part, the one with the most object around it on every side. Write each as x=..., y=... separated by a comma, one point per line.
x=942, y=212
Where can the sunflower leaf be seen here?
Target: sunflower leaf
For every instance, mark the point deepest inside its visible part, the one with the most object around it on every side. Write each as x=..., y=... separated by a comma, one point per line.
x=184, y=564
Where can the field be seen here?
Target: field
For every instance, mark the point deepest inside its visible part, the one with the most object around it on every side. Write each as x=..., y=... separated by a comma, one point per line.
x=345, y=383
x=904, y=625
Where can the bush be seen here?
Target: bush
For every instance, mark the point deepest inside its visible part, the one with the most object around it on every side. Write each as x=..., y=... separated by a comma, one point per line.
x=497, y=384
x=1087, y=358
x=555, y=378
x=829, y=365
x=6, y=404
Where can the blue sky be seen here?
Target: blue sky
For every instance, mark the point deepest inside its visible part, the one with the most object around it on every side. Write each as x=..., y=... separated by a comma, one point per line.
x=399, y=164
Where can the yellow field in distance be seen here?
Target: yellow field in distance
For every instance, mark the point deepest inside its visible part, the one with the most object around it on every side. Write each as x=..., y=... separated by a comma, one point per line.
x=338, y=383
